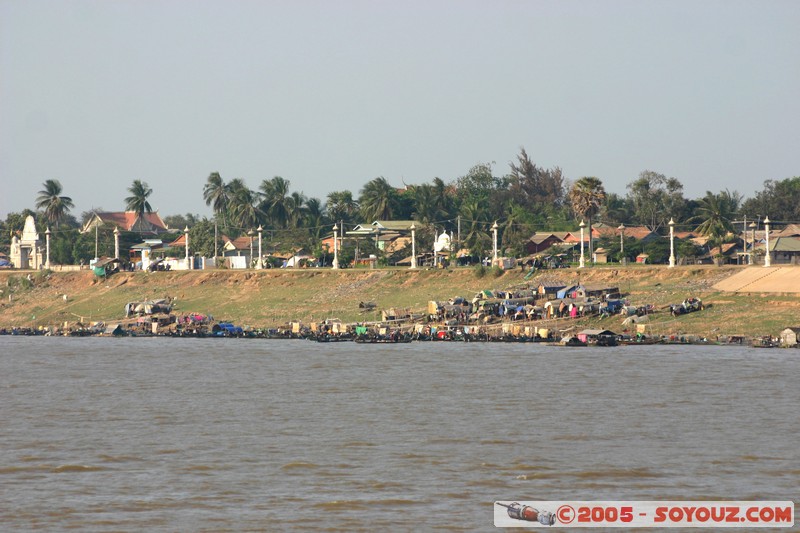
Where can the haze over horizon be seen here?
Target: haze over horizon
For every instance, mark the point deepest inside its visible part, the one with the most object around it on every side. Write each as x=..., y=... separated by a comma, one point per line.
x=330, y=95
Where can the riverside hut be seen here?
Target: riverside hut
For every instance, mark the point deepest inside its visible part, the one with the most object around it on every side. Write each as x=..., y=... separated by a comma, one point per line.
x=790, y=337
x=600, y=337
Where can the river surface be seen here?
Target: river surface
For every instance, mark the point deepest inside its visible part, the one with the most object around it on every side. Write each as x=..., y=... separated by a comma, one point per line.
x=101, y=434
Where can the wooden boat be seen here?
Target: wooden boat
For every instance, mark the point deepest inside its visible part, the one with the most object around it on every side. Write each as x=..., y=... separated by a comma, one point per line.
x=332, y=338
x=639, y=341
x=764, y=342
x=569, y=341
x=382, y=340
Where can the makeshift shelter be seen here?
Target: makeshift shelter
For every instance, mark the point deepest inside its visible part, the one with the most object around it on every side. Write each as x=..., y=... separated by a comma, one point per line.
x=567, y=291
x=550, y=290
x=594, y=335
x=790, y=337
x=105, y=266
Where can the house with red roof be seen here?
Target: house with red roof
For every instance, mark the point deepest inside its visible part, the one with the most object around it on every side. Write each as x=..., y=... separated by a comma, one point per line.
x=148, y=223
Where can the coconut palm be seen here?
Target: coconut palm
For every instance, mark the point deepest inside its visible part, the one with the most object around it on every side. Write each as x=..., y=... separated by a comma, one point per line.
x=377, y=200
x=426, y=205
x=586, y=196
x=295, y=209
x=715, y=213
x=54, y=205
x=137, y=201
x=341, y=207
x=314, y=217
x=276, y=203
x=243, y=205
x=476, y=225
x=216, y=194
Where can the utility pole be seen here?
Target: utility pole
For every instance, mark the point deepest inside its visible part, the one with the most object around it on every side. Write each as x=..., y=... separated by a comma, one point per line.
x=215, y=238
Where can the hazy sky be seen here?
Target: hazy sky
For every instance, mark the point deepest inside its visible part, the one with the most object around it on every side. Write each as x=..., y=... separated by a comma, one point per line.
x=330, y=94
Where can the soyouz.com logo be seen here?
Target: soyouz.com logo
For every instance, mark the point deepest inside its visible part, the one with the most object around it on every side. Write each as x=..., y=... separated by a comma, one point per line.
x=682, y=514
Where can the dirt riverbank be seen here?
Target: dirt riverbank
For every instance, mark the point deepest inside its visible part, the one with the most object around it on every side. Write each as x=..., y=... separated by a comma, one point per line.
x=270, y=298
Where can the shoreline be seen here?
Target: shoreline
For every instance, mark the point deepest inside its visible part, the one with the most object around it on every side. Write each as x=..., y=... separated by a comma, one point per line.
x=272, y=299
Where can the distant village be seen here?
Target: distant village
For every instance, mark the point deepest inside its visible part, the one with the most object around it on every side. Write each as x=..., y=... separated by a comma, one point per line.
x=397, y=239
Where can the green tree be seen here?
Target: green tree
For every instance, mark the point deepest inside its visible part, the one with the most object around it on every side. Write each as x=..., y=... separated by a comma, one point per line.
x=201, y=238
x=715, y=213
x=54, y=206
x=341, y=207
x=243, y=206
x=475, y=226
x=617, y=210
x=178, y=222
x=276, y=203
x=216, y=194
x=514, y=230
x=377, y=200
x=427, y=206
x=534, y=188
x=478, y=184
x=780, y=200
x=61, y=246
x=315, y=219
x=296, y=210
x=586, y=196
x=655, y=199
x=137, y=201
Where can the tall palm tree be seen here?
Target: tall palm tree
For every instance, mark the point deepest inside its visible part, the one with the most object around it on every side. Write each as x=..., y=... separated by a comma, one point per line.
x=54, y=205
x=586, y=196
x=341, y=207
x=715, y=212
x=314, y=217
x=276, y=203
x=377, y=200
x=216, y=194
x=137, y=201
x=295, y=209
x=242, y=205
x=476, y=226
x=426, y=207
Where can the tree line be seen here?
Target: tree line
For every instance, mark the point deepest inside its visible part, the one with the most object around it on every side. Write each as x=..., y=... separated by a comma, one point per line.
x=526, y=199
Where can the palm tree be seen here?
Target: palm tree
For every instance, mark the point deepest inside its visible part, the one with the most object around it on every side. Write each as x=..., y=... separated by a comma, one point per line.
x=315, y=219
x=54, y=205
x=216, y=194
x=137, y=201
x=476, y=225
x=426, y=207
x=242, y=205
x=341, y=207
x=587, y=196
x=295, y=209
x=276, y=203
x=715, y=213
x=377, y=200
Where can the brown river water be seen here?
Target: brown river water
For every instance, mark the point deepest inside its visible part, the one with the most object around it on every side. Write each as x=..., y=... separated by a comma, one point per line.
x=159, y=434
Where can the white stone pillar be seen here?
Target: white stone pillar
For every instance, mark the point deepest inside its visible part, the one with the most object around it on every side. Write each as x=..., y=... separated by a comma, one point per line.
x=260, y=263
x=767, y=258
x=671, y=243
x=335, y=247
x=413, y=246
x=582, y=262
x=116, y=242
x=47, y=234
x=494, y=243
x=186, y=242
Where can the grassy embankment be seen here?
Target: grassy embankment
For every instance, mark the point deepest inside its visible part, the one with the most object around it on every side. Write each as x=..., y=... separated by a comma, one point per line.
x=270, y=298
